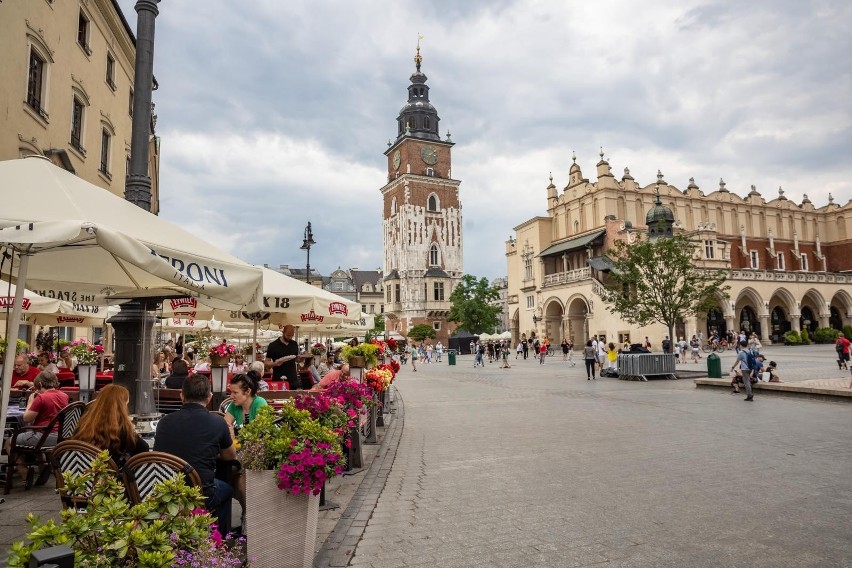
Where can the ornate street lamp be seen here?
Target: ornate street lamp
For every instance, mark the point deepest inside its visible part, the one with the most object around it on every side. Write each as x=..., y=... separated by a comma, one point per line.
x=307, y=242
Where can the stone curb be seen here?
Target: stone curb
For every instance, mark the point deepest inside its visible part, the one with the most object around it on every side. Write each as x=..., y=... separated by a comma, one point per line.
x=793, y=389
x=339, y=548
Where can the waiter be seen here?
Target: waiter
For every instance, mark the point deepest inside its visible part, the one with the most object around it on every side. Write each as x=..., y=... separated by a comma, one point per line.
x=281, y=356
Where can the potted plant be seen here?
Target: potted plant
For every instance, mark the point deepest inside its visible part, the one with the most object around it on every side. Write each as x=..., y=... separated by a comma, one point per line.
x=364, y=355
x=87, y=361
x=286, y=459
x=221, y=354
x=20, y=346
x=169, y=528
x=356, y=399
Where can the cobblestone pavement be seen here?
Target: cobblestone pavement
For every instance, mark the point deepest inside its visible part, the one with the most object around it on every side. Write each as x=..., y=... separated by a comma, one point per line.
x=536, y=466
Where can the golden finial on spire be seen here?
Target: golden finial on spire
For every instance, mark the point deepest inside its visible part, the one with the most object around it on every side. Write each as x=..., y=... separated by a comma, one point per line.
x=417, y=58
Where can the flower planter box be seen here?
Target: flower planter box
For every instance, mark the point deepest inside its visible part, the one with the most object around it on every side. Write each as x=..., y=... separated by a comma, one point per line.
x=281, y=528
x=357, y=361
x=219, y=360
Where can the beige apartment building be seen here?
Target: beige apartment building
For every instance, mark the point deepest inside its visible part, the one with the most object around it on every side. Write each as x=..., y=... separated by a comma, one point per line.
x=67, y=88
x=789, y=264
x=66, y=92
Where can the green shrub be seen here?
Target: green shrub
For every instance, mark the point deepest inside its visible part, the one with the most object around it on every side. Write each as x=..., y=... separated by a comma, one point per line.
x=806, y=337
x=792, y=338
x=826, y=335
x=163, y=530
x=847, y=331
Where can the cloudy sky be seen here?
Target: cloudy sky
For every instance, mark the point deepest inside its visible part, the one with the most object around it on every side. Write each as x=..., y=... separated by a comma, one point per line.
x=275, y=113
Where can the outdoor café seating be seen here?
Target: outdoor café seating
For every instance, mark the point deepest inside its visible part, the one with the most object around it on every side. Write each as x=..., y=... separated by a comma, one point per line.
x=75, y=457
x=37, y=457
x=143, y=471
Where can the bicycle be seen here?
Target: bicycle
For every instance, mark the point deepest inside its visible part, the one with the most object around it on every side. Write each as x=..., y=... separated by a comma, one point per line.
x=712, y=346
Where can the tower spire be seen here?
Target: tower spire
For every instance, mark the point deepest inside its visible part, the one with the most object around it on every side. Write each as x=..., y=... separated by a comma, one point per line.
x=418, y=59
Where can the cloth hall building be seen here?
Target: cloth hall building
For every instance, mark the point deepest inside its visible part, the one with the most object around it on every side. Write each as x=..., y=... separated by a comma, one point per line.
x=789, y=264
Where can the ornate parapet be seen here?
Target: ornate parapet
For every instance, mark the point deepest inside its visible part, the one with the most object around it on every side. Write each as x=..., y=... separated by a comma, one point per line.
x=788, y=276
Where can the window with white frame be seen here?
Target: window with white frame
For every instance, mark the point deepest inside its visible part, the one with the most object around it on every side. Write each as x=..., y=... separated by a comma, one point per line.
x=432, y=203
x=781, y=264
x=436, y=325
x=755, y=259
x=35, y=82
x=438, y=292
x=528, y=272
x=77, y=110
x=530, y=302
x=110, y=71
x=709, y=250
x=433, y=255
x=106, y=141
x=83, y=33
x=338, y=286
x=804, y=258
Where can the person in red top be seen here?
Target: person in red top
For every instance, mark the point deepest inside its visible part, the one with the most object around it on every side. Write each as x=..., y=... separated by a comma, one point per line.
x=23, y=371
x=842, y=346
x=42, y=407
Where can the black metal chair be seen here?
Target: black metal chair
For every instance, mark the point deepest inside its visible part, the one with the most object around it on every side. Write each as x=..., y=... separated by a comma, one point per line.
x=36, y=458
x=76, y=457
x=143, y=471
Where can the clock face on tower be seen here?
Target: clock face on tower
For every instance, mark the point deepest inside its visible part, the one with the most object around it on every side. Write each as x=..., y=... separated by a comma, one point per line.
x=429, y=155
x=396, y=159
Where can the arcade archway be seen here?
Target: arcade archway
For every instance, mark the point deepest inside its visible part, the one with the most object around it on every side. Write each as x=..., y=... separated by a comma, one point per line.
x=553, y=320
x=578, y=312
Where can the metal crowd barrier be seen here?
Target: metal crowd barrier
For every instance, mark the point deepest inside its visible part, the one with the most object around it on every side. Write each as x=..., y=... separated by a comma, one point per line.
x=641, y=366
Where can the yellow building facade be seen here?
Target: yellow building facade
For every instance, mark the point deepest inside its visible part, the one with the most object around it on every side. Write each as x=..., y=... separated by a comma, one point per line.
x=66, y=92
x=789, y=265
x=67, y=88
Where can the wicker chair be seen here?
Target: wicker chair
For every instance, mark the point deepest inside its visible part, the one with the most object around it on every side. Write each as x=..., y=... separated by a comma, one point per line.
x=143, y=471
x=37, y=457
x=76, y=457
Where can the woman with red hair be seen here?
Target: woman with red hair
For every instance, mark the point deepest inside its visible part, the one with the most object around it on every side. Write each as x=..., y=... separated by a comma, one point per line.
x=107, y=425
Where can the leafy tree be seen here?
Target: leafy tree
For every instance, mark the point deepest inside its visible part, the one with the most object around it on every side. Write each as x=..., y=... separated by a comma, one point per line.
x=421, y=331
x=378, y=328
x=471, y=308
x=656, y=281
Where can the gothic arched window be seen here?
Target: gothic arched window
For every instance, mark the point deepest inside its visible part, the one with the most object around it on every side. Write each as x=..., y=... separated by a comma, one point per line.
x=393, y=206
x=433, y=255
x=432, y=203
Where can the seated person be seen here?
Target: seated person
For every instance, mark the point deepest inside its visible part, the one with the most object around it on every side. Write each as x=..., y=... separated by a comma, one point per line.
x=307, y=372
x=44, y=363
x=180, y=371
x=238, y=366
x=335, y=375
x=66, y=361
x=773, y=376
x=326, y=365
x=245, y=402
x=42, y=407
x=757, y=372
x=23, y=371
x=199, y=437
x=107, y=425
x=203, y=365
x=257, y=368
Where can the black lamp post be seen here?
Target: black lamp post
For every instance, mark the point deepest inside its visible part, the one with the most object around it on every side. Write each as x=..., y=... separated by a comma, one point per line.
x=306, y=246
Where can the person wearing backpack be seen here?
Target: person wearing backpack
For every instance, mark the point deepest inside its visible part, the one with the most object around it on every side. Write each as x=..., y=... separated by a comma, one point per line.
x=842, y=347
x=744, y=371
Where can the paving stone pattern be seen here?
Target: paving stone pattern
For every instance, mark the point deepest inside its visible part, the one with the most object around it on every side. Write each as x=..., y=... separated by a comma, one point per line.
x=536, y=466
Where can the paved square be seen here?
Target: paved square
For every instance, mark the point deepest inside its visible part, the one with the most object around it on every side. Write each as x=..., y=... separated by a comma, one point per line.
x=536, y=466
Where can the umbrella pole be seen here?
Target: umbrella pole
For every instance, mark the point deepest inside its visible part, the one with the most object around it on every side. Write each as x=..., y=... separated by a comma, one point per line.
x=254, y=342
x=12, y=338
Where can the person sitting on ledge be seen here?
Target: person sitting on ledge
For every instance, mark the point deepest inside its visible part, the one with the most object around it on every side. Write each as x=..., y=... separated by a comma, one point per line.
x=773, y=376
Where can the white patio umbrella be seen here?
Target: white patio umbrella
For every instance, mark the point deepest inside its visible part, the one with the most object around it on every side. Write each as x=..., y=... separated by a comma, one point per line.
x=78, y=242
x=284, y=300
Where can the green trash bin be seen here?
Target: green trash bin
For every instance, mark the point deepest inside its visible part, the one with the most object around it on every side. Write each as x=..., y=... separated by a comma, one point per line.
x=714, y=366
x=451, y=356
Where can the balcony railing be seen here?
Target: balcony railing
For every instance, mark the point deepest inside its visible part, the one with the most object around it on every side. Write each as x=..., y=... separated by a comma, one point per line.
x=565, y=277
x=792, y=276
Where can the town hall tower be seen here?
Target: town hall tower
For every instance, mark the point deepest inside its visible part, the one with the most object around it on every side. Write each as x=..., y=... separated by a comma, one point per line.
x=422, y=218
